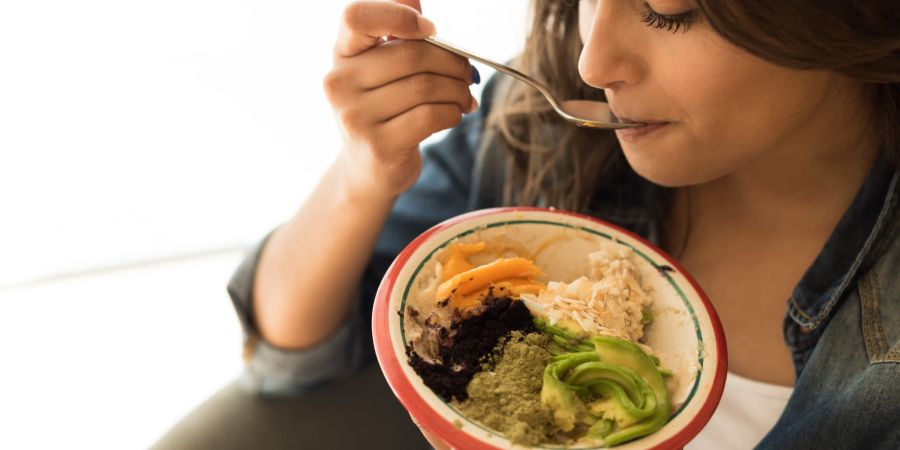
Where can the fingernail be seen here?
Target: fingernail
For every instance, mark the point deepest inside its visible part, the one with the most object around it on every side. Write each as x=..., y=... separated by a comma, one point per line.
x=426, y=26
x=476, y=77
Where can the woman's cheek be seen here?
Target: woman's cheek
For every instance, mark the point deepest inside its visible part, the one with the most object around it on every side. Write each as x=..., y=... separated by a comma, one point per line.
x=701, y=84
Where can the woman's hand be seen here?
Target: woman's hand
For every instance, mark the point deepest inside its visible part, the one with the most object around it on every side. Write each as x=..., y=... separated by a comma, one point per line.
x=391, y=94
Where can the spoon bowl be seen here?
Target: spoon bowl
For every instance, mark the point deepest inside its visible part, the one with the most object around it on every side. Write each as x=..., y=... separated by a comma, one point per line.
x=591, y=114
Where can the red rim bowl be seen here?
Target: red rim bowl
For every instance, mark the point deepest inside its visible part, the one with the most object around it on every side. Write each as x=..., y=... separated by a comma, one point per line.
x=425, y=407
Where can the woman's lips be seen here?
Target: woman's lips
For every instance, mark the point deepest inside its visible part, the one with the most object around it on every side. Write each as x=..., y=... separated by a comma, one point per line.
x=647, y=128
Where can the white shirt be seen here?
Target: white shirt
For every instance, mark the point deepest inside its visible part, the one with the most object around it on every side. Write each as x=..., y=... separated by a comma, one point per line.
x=747, y=411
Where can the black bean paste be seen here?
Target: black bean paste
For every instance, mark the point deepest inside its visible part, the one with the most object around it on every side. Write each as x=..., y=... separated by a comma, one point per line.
x=468, y=343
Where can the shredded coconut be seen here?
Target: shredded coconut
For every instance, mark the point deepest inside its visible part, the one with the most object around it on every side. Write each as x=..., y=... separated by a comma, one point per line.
x=611, y=302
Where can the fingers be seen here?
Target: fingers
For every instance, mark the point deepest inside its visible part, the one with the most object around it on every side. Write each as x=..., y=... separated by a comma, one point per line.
x=411, y=3
x=390, y=101
x=399, y=59
x=391, y=94
x=412, y=127
x=365, y=22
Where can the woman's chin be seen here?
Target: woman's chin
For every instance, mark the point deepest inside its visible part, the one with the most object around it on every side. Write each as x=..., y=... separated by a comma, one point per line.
x=666, y=179
x=660, y=167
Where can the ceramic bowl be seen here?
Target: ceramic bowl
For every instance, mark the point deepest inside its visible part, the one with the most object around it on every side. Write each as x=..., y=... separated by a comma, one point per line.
x=685, y=331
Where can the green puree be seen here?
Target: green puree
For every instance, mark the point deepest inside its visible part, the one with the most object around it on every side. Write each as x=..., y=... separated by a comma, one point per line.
x=506, y=395
x=556, y=387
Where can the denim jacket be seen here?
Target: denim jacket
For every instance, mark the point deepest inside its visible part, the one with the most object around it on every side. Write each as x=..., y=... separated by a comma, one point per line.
x=842, y=322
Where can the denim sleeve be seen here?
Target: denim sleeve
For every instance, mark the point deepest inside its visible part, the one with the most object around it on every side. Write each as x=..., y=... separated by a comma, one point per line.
x=442, y=191
x=273, y=371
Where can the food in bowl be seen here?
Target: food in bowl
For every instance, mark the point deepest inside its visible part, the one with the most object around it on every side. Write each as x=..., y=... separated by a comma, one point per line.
x=541, y=359
x=495, y=404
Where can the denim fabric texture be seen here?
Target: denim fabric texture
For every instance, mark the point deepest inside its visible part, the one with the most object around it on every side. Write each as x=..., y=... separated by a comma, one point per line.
x=842, y=322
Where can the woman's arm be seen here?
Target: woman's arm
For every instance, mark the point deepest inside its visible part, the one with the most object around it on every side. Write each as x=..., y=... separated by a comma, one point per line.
x=310, y=267
x=388, y=97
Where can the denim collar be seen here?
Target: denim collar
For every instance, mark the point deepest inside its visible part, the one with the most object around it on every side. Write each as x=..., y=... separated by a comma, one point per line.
x=850, y=249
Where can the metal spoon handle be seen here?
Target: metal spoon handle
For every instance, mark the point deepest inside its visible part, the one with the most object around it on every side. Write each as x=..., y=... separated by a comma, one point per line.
x=496, y=66
x=584, y=113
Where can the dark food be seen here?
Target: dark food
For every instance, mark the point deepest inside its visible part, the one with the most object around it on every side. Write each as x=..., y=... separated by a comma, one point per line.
x=463, y=349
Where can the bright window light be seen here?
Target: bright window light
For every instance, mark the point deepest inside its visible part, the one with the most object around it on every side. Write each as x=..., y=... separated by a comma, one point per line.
x=142, y=146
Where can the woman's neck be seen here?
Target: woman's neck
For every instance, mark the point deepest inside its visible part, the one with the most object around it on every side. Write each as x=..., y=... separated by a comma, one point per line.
x=785, y=199
x=748, y=238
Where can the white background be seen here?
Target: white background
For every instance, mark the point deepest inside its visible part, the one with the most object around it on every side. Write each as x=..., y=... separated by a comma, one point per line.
x=142, y=145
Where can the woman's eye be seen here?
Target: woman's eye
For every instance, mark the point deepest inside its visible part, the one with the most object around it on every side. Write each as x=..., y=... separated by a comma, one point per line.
x=669, y=22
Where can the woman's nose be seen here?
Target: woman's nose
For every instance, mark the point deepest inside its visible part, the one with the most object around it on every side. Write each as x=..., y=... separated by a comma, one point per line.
x=608, y=60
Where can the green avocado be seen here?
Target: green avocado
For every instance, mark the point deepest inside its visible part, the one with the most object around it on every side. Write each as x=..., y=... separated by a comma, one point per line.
x=624, y=353
x=607, y=383
x=568, y=410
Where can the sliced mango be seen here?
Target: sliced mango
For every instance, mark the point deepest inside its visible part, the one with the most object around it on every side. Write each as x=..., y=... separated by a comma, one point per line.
x=468, y=288
x=482, y=276
x=520, y=286
x=456, y=260
x=464, y=285
x=511, y=287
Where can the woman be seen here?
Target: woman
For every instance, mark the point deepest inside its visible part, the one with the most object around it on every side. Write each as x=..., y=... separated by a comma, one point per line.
x=767, y=166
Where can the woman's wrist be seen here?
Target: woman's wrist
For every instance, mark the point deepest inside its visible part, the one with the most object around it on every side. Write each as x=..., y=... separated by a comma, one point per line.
x=362, y=190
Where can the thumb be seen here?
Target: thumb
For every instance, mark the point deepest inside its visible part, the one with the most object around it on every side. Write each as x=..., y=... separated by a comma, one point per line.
x=417, y=4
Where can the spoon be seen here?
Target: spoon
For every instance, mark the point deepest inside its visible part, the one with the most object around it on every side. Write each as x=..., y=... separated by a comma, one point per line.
x=584, y=113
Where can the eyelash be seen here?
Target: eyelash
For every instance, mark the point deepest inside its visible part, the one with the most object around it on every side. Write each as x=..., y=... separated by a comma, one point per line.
x=668, y=22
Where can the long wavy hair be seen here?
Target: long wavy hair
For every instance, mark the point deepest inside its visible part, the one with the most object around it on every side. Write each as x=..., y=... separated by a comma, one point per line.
x=551, y=162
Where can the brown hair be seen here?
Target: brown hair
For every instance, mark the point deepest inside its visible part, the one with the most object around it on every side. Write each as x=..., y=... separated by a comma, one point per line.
x=552, y=162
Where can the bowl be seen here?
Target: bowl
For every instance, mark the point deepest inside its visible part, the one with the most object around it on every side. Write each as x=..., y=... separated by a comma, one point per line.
x=685, y=330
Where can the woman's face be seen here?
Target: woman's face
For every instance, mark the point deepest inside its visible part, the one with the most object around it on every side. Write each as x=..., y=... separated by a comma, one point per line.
x=714, y=109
